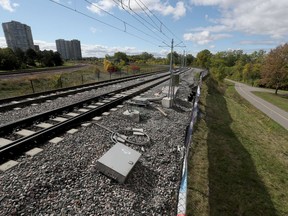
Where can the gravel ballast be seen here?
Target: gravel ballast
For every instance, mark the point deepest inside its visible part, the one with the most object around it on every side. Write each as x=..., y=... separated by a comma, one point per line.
x=63, y=179
x=13, y=115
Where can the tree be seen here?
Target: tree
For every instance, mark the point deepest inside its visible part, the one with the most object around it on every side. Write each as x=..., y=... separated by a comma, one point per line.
x=31, y=57
x=8, y=60
x=57, y=59
x=274, y=71
x=176, y=58
x=204, y=58
x=189, y=59
x=121, y=56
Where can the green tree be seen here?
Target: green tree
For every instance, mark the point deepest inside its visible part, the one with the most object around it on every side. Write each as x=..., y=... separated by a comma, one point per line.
x=31, y=57
x=189, y=59
x=118, y=56
x=203, y=58
x=8, y=60
x=274, y=72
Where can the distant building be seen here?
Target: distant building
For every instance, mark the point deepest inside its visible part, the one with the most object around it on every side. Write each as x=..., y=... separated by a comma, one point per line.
x=36, y=48
x=69, y=49
x=18, y=35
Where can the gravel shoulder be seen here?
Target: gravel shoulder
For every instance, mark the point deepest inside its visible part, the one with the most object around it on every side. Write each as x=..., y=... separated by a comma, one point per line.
x=63, y=180
x=275, y=113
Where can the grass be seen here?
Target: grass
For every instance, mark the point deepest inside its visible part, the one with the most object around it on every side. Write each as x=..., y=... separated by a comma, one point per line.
x=239, y=160
x=280, y=100
x=43, y=82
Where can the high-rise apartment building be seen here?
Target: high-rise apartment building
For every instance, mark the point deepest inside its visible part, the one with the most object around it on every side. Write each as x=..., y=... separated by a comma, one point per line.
x=18, y=35
x=69, y=49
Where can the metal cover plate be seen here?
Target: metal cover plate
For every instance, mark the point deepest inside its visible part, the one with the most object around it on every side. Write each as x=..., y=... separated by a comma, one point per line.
x=118, y=161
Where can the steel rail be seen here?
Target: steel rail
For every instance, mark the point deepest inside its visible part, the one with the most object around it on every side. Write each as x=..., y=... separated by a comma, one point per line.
x=52, y=94
x=13, y=149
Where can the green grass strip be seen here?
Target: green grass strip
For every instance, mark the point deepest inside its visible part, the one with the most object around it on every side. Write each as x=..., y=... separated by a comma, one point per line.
x=280, y=100
x=239, y=159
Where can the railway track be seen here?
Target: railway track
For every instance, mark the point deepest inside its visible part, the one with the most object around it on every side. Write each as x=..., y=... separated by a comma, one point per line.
x=24, y=100
x=21, y=135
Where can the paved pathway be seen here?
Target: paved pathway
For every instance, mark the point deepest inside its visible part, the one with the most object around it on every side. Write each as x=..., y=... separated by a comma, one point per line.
x=275, y=113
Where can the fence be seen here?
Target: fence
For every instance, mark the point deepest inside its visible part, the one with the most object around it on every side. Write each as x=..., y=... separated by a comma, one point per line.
x=182, y=196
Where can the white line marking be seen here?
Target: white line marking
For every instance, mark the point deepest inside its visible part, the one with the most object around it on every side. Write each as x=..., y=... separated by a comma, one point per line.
x=240, y=88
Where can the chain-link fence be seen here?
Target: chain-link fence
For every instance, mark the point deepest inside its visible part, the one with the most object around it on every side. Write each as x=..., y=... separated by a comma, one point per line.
x=182, y=196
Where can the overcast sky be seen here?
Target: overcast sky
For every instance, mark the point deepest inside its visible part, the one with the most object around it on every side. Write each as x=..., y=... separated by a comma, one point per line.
x=135, y=26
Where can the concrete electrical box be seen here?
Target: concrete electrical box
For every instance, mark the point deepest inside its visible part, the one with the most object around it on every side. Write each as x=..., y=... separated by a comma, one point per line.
x=118, y=161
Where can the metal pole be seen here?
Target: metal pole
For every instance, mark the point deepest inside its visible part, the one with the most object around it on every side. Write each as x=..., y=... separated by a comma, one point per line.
x=171, y=61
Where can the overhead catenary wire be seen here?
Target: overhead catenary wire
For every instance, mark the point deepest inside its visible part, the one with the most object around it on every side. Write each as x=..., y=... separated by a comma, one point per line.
x=162, y=24
x=121, y=20
x=127, y=9
x=126, y=25
x=100, y=21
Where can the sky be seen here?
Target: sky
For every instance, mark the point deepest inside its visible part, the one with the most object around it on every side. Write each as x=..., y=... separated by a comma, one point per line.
x=135, y=26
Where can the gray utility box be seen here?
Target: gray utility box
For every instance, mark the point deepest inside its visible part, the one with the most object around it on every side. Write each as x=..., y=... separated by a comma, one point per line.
x=118, y=161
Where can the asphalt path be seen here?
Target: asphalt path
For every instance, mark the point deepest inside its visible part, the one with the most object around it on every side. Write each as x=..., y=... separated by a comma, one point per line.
x=274, y=112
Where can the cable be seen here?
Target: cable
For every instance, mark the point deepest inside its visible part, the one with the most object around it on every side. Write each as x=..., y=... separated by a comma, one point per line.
x=160, y=21
x=121, y=5
x=107, y=24
x=124, y=22
x=123, y=136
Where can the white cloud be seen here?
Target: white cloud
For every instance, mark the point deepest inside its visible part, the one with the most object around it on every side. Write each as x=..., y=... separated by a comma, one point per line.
x=2, y=42
x=259, y=42
x=8, y=5
x=154, y=5
x=93, y=50
x=103, y=4
x=265, y=17
x=178, y=11
x=204, y=37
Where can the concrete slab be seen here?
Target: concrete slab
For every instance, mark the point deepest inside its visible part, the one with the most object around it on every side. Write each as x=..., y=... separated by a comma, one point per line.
x=106, y=101
x=83, y=110
x=34, y=104
x=97, y=118
x=138, y=133
x=105, y=113
x=113, y=98
x=167, y=102
x=86, y=124
x=4, y=142
x=72, y=131
x=56, y=140
x=14, y=102
x=72, y=114
x=25, y=132
x=17, y=108
x=8, y=165
x=59, y=119
x=120, y=106
x=113, y=109
x=91, y=106
x=118, y=95
x=134, y=115
x=99, y=103
x=33, y=151
x=44, y=125
x=48, y=101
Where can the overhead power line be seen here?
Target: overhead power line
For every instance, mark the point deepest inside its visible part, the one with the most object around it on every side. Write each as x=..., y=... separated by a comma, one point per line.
x=153, y=24
x=121, y=20
x=127, y=9
x=100, y=21
x=162, y=24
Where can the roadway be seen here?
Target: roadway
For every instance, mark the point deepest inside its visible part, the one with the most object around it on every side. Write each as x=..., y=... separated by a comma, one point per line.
x=274, y=112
